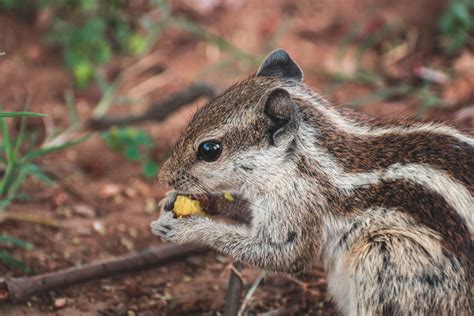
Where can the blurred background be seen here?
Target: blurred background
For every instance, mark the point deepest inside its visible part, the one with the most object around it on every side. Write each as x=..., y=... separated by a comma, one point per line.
x=73, y=191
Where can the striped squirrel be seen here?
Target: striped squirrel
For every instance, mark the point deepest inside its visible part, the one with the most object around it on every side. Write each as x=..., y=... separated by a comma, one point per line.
x=385, y=207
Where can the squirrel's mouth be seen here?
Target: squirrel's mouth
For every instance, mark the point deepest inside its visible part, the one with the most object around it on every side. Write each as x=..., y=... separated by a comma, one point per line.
x=224, y=205
x=203, y=197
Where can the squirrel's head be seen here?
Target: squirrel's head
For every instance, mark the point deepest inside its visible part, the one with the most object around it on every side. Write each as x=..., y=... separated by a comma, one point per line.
x=239, y=140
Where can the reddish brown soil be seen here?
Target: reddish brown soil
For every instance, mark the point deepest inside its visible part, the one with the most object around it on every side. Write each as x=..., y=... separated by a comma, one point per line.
x=122, y=200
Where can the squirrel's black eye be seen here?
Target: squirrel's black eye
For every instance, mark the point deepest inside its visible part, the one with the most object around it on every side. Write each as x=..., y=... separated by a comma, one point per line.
x=209, y=151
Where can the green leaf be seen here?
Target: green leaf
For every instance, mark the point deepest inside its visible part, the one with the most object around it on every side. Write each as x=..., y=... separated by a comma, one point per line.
x=461, y=12
x=19, y=114
x=150, y=169
x=137, y=44
x=142, y=138
x=456, y=24
x=15, y=242
x=89, y=6
x=13, y=262
x=132, y=153
x=83, y=73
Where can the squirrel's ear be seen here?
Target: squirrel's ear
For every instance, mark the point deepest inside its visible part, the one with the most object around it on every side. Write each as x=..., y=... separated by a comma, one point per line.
x=279, y=64
x=283, y=116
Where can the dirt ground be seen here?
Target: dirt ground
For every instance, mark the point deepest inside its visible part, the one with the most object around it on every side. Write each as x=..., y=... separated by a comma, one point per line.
x=102, y=203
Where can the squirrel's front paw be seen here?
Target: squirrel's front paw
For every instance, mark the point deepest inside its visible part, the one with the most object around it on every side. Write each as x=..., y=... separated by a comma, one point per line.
x=176, y=230
x=164, y=226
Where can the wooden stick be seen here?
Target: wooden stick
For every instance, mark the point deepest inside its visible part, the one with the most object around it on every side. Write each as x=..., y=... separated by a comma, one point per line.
x=160, y=110
x=234, y=291
x=19, y=289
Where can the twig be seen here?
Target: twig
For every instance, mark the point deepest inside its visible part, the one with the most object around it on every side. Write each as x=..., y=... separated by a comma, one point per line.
x=304, y=286
x=139, y=66
x=234, y=291
x=250, y=292
x=19, y=289
x=149, y=85
x=158, y=111
x=32, y=218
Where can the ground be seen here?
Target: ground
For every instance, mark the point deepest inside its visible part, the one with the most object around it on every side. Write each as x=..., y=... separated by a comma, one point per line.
x=102, y=203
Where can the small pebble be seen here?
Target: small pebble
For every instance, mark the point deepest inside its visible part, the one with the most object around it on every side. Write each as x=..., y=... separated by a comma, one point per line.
x=99, y=227
x=60, y=302
x=110, y=190
x=84, y=210
x=150, y=206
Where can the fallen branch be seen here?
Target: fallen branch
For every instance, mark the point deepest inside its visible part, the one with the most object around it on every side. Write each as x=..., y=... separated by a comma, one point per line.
x=160, y=110
x=234, y=291
x=19, y=289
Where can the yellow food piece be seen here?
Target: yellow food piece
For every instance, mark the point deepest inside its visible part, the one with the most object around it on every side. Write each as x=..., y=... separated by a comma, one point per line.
x=228, y=197
x=184, y=206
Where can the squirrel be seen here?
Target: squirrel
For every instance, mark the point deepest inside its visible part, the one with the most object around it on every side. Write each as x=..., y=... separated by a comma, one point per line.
x=385, y=207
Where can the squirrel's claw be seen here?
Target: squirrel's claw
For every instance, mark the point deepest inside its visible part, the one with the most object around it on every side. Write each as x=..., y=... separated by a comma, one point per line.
x=167, y=203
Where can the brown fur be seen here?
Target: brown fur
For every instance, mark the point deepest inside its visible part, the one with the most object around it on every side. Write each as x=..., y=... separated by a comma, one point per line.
x=359, y=154
x=427, y=208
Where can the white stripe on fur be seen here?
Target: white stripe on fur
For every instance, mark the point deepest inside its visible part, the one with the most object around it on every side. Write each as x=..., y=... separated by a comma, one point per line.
x=436, y=180
x=356, y=128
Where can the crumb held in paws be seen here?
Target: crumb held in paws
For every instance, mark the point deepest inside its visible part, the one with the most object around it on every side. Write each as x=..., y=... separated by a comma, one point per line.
x=184, y=206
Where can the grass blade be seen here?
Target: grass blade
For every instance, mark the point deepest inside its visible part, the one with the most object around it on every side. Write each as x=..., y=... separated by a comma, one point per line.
x=10, y=157
x=20, y=177
x=48, y=150
x=15, y=242
x=14, y=262
x=7, y=145
x=106, y=101
x=36, y=172
x=21, y=134
x=21, y=114
x=72, y=107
